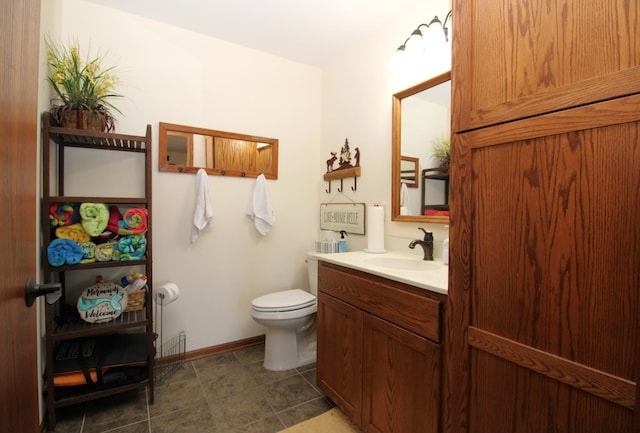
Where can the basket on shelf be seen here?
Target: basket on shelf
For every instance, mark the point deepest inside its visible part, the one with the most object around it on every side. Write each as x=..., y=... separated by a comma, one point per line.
x=135, y=300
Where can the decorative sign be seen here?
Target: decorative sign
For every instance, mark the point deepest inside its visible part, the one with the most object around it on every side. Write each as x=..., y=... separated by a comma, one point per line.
x=102, y=302
x=342, y=216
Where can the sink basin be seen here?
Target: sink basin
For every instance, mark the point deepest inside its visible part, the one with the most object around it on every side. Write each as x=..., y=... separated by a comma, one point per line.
x=405, y=264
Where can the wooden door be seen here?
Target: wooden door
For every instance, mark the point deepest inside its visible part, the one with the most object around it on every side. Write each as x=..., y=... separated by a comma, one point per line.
x=18, y=191
x=401, y=384
x=545, y=252
x=545, y=273
x=340, y=354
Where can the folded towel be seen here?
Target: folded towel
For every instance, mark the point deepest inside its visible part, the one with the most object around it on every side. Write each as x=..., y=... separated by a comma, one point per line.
x=75, y=232
x=114, y=218
x=64, y=251
x=203, y=214
x=405, y=201
x=88, y=252
x=95, y=217
x=131, y=247
x=259, y=208
x=134, y=221
x=104, y=252
x=63, y=214
x=433, y=212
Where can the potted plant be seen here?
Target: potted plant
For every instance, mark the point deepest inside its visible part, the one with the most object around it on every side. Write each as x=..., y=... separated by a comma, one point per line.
x=82, y=89
x=442, y=152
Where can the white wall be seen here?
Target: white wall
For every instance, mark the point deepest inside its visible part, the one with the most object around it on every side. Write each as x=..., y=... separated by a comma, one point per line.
x=172, y=75
x=356, y=104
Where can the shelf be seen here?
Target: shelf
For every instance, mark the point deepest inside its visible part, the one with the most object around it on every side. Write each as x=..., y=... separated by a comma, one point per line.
x=342, y=173
x=92, y=395
x=54, y=142
x=96, y=140
x=69, y=331
x=109, y=200
x=97, y=265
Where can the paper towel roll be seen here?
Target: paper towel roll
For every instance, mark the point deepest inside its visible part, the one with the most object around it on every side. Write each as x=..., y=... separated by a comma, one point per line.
x=166, y=294
x=375, y=229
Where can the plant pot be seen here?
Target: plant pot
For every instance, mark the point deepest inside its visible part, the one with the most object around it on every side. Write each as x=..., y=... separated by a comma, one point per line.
x=78, y=118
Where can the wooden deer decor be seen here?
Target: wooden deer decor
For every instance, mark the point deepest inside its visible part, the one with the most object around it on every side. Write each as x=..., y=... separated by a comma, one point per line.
x=345, y=166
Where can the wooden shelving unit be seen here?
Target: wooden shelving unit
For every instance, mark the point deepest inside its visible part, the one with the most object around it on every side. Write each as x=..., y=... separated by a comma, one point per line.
x=54, y=142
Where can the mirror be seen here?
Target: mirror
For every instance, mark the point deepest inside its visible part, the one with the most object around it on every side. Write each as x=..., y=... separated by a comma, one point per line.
x=421, y=117
x=186, y=149
x=409, y=168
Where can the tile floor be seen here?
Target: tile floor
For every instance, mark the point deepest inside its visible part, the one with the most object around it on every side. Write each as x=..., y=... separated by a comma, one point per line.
x=225, y=393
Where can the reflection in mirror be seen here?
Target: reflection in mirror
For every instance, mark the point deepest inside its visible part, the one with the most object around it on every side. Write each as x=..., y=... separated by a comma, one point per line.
x=421, y=118
x=186, y=149
x=409, y=171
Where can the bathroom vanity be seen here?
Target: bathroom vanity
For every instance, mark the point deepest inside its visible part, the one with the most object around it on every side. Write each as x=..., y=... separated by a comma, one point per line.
x=380, y=339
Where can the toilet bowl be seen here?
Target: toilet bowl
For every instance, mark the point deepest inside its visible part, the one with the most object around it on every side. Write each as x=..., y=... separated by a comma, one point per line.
x=289, y=318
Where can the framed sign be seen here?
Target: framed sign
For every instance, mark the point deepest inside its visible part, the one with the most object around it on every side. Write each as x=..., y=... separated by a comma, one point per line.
x=342, y=216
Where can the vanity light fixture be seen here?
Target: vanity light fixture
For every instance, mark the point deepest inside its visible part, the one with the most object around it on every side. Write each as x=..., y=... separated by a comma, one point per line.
x=416, y=44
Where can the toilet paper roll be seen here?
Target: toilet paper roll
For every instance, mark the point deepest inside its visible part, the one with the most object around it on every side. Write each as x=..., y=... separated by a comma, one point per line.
x=166, y=294
x=375, y=229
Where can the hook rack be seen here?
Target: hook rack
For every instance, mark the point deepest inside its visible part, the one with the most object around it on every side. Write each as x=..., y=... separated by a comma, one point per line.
x=341, y=174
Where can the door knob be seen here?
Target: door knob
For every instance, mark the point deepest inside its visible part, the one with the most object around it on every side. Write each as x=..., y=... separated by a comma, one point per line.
x=53, y=291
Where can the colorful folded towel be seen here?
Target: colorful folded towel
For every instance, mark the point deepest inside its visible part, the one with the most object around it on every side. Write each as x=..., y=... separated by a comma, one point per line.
x=64, y=251
x=88, y=252
x=63, y=214
x=131, y=247
x=95, y=217
x=75, y=232
x=134, y=221
x=105, y=252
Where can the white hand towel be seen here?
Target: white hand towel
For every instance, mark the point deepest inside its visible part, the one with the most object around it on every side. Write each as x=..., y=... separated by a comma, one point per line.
x=203, y=215
x=405, y=201
x=259, y=208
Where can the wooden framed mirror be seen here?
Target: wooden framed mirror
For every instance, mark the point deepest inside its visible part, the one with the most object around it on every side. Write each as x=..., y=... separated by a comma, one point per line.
x=409, y=168
x=421, y=117
x=186, y=149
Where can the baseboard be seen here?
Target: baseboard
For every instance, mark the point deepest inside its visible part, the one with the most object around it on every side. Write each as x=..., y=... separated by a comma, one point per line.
x=223, y=348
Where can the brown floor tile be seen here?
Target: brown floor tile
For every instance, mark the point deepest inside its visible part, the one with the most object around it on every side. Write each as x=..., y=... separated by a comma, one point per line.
x=194, y=419
x=226, y=393
x=115, y=411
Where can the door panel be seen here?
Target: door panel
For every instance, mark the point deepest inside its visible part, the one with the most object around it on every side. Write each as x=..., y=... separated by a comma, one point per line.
x=401, y=387
x=340, y=354
x=533, y=57
x=546, y=274
x=18, y=137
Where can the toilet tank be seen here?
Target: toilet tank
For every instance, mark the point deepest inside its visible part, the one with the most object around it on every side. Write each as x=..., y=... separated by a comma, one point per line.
x=312, y=272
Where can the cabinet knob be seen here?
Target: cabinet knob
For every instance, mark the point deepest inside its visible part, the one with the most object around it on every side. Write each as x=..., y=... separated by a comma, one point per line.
x=53, y=291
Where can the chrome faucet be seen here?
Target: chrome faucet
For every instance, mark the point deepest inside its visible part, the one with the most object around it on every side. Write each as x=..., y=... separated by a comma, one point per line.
x=426, y=244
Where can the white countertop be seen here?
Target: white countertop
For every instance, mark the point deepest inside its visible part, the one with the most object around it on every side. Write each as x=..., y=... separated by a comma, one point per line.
x=396, y=266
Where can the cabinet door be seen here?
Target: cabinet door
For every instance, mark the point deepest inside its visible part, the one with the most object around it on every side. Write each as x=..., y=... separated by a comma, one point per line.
x=545, y=278
x=340, y=354
x=514, y=59
x=401, y=385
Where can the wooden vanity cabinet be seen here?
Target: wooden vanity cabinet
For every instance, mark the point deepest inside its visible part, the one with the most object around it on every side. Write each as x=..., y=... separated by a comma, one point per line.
x=379, y=350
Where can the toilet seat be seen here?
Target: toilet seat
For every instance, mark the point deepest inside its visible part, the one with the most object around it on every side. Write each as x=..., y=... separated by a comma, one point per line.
x=287, y=300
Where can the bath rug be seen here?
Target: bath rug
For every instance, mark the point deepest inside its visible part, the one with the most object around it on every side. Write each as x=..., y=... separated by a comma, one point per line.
x=95, y=217
x=64, y=214
x=332, y=421
x=75, y=232
x=134, y=221
x=63, y=252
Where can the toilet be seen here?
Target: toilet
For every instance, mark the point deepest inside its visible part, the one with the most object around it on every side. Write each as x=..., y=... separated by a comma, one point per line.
x=289, y=317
